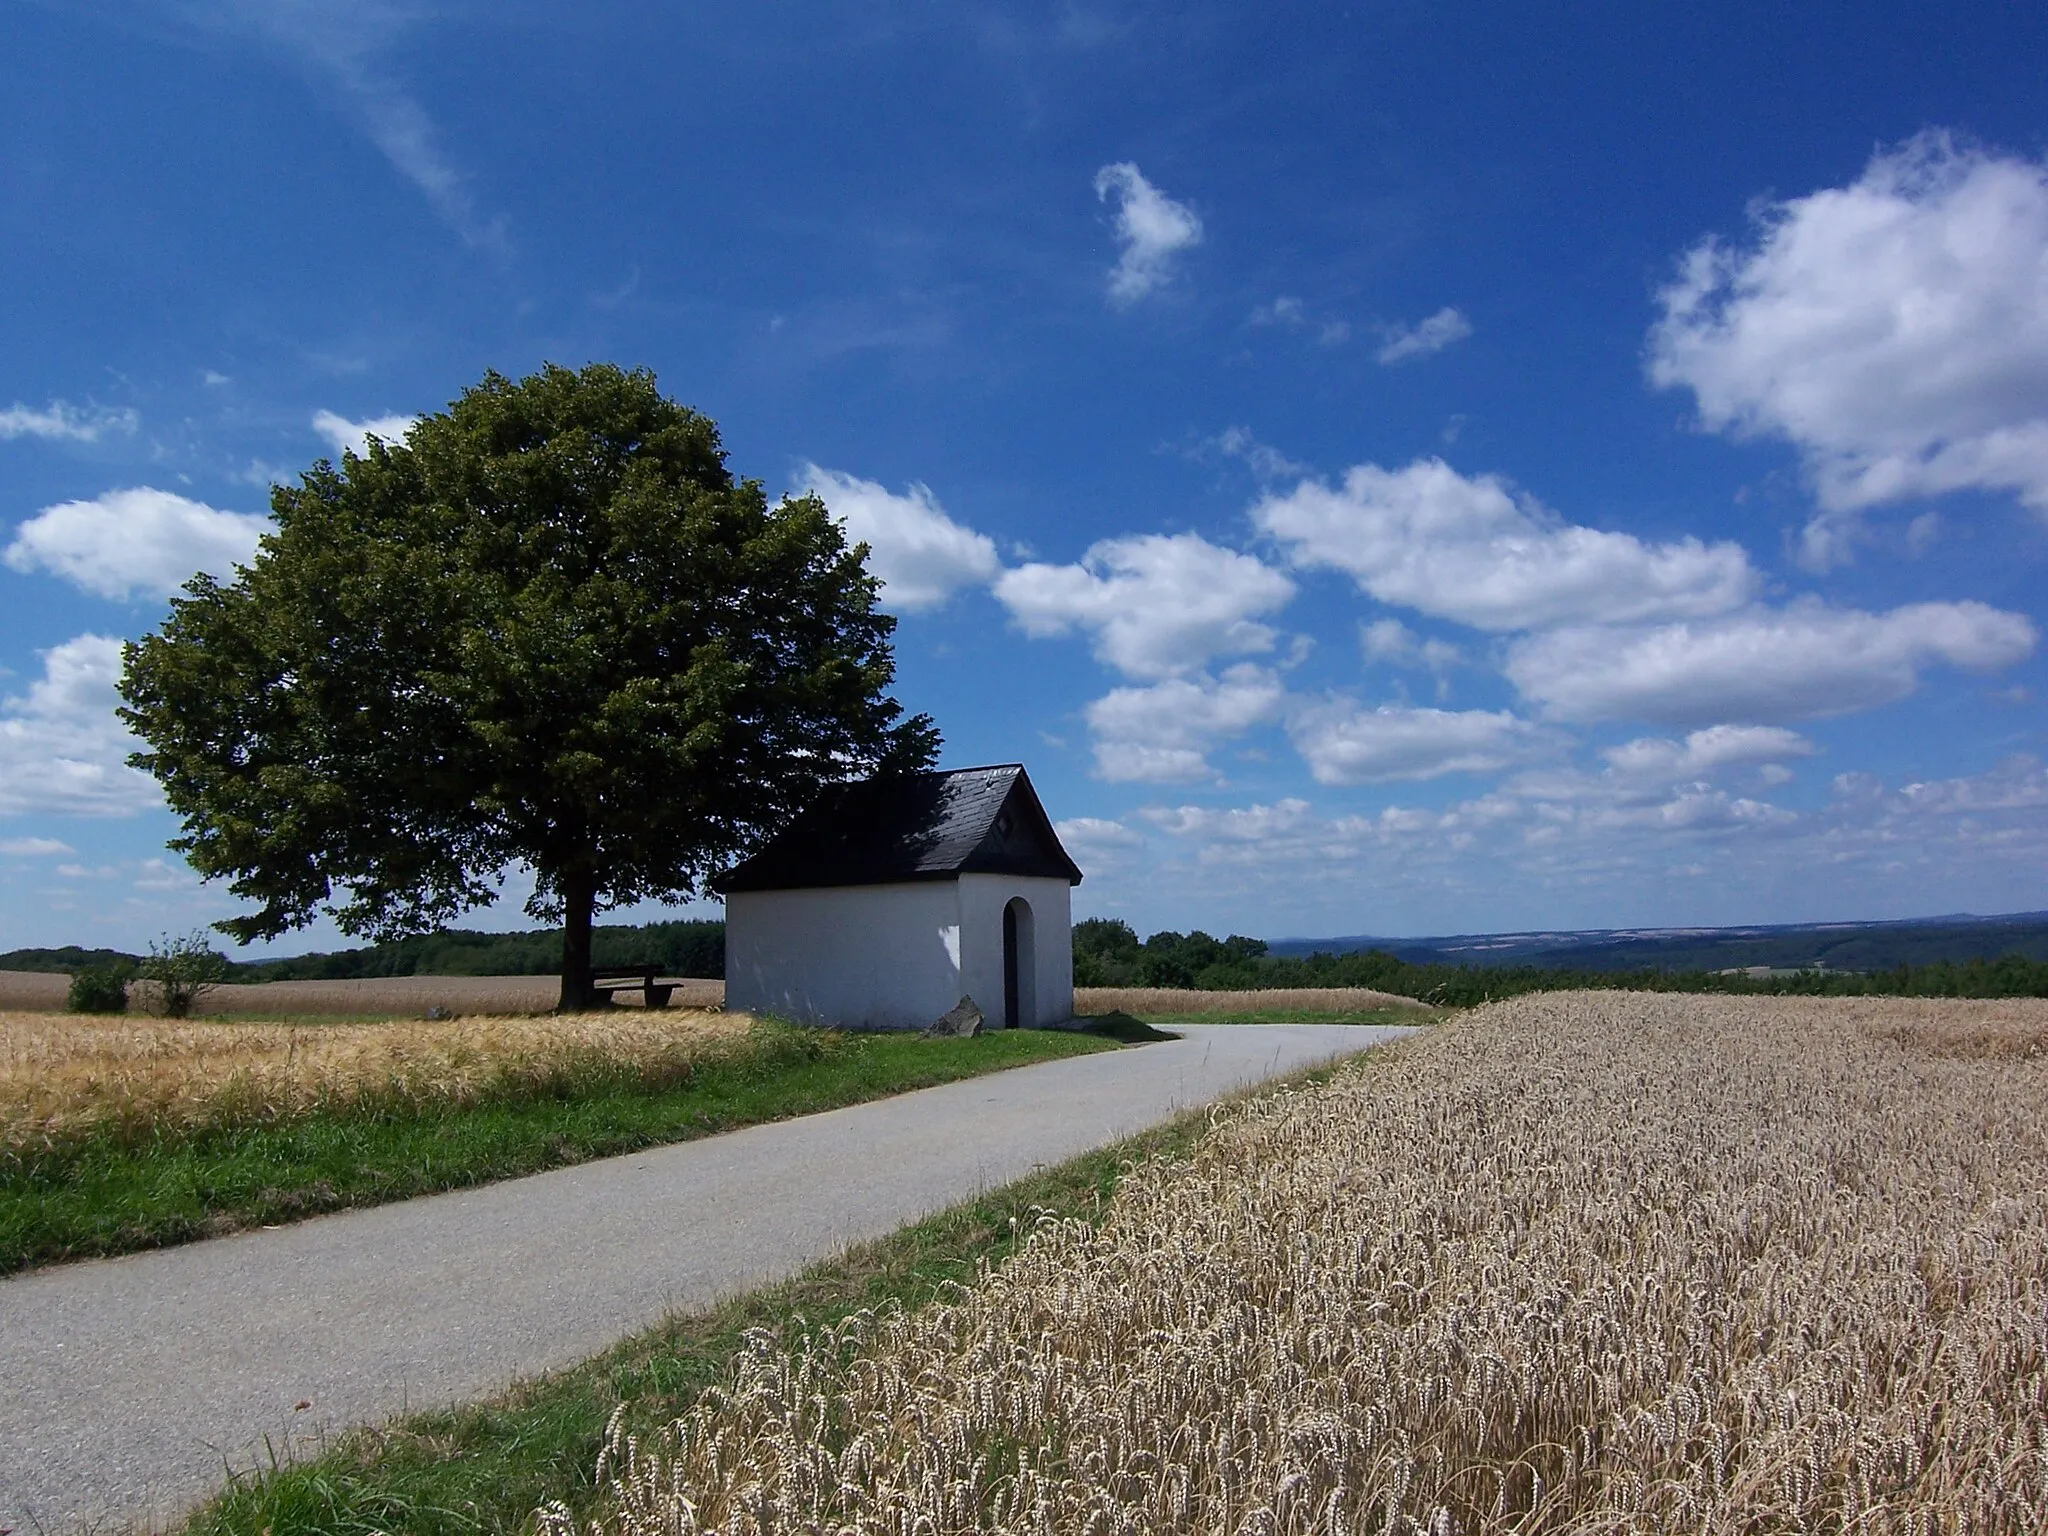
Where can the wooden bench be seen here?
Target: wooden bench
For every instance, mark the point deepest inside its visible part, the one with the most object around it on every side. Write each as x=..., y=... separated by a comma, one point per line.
x=633, y=976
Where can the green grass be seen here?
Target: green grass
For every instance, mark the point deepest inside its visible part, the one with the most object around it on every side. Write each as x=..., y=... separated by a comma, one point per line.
x=486, y=1467
x=116, y=1192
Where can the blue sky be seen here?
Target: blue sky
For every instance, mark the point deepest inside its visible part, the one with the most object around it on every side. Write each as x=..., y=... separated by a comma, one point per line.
x=1385, y=469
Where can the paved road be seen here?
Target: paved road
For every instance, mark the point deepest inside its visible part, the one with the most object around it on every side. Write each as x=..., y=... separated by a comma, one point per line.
x=128, y=1386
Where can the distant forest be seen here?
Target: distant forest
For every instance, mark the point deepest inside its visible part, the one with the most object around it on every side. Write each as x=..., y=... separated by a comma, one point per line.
x=1108, y=952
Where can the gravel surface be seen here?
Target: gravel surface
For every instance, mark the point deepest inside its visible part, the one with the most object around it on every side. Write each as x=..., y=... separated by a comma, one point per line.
x=128, y=1385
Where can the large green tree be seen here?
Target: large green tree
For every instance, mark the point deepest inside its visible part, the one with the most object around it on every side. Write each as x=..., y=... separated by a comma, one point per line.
x=548, y=629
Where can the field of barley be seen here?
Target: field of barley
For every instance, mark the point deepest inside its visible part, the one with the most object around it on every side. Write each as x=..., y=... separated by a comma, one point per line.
x=1574, y=1263
x=67, y=1075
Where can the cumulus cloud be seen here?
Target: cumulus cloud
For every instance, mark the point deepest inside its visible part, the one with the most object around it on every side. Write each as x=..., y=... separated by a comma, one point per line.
x=921, y=554
x=2017, y=783
x=354, y=436
x=134, y=541
x=1706, y=751
x=1097, y=841
x=1162, y=734
x=1157, y=605
x=1802, y=662
x=1440, y=330
x=32, y=847
x=63, y=749
x=1345, y=743
x=1152, y=228
x=1895, y=330
x=1394, y=644
x=1242, y=824
x=59, y=421
x=1475, y=550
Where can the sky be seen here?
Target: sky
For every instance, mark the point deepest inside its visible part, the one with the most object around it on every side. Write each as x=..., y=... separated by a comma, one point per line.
x=1393, y=469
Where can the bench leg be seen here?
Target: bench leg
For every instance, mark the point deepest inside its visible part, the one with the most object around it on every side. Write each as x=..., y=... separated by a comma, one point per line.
x=657, y=997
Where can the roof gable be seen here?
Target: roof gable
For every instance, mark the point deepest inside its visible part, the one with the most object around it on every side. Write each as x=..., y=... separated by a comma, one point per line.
x=920, y=826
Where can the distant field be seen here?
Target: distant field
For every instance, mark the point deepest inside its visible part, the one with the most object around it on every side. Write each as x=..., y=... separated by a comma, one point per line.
x=32, y=989
x=1177, y=1003
x=382, y=995
x=1578, y=1263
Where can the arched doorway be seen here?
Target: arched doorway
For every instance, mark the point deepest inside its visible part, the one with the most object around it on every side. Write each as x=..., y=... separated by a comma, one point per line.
x=1020, y=969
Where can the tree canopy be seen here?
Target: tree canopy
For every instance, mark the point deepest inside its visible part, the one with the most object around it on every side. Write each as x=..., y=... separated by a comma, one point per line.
x=549, y=629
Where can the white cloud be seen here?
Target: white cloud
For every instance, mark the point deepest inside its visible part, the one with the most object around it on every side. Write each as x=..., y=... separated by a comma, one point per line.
x=1706, y=751
x=62, y=748
x=343, y=42
x=1098, y=842
x=138, y=540
x=1440, y=330
x=1895, y=330
x=1475, y=550
x=2019, y=783
x=1393, y=643
x=921, y=555
x=1262, y=459
x=354, y=436
x=1802, y=662
x=1289, y=312
x=1245, y=824
x=1162, y=734
x=1157, y=604
x=61, y=421
x=1152, y=228
x=1345, y=743
x=33, y=847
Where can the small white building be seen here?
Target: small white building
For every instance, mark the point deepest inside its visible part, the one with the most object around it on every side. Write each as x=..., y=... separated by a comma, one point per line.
x=889, y=900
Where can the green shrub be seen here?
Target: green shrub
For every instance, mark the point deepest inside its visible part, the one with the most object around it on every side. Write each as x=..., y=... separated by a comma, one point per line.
x=184, y=971
x=98, y=989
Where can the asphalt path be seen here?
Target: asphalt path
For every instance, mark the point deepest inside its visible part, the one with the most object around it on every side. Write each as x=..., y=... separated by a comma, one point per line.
x=130, y=1388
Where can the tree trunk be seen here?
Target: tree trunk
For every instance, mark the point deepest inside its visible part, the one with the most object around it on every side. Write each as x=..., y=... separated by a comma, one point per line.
x=579, y=898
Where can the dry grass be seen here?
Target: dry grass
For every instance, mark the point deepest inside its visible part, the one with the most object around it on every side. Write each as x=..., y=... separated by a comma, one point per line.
x=1578, y=1263
x=384, y=994
x=1172, y=1002
x=63, y=1075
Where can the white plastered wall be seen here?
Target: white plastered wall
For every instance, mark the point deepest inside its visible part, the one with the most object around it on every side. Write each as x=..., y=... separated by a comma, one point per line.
x=868, y=956
x=895, y=956
x=1051, y=983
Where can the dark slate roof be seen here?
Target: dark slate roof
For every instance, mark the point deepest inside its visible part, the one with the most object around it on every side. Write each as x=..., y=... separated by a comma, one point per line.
x=919, y=826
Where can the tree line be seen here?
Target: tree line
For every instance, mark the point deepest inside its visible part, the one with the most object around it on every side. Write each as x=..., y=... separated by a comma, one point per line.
x=1107, y=953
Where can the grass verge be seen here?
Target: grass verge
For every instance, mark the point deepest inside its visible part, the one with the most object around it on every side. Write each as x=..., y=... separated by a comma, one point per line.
x=109, y=1191
x=485, y=1468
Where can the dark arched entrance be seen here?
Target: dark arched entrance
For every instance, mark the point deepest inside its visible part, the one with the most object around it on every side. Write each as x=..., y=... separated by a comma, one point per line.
x=1020, y=969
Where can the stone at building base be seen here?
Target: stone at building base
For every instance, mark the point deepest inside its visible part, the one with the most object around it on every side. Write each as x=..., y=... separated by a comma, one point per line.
x=962, y=1019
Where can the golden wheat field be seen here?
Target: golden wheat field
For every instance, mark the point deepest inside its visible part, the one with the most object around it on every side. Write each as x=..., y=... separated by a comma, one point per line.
x=1574, y=1263
x=63, y=1074
x=1174, y=1002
